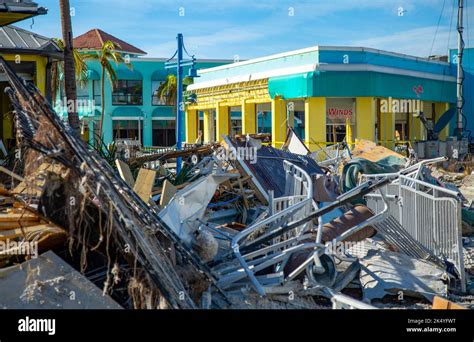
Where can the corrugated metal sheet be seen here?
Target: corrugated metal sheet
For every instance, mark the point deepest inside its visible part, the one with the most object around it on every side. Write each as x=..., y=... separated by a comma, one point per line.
x=269, y=171
x=12, y=37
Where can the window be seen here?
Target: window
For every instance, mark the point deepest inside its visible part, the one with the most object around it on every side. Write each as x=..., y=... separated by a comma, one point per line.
x=264, y=122
x=126, y=129
x=96, y=91
x=155, y=98
x=235, y=127
x=82, y=90
x=299, y=124
x=339, y=113
x=164, y=133
x=127, y=93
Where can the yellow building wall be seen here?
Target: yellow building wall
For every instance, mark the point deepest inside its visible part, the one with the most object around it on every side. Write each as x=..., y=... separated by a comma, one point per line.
x=222, y=121
x=40, y=77
x=191, y=126
x=366, y=117
x=208, y=118
x=440, y=109
x=249, y=118
x=279, y=125
x=314, y=122
x=386, y=128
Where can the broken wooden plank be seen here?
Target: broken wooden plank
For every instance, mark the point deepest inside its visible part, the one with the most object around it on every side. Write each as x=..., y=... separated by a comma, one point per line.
x=144, y=184
x=125, y=172
x=19, y=232
x=169, y=190
x=11, y=174
x=444, y=304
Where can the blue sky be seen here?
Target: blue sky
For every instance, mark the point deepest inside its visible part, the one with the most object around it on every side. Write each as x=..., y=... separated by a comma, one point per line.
x=247, y=29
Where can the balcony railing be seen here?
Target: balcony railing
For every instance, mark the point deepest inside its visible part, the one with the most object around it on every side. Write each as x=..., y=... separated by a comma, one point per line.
x=127, y=99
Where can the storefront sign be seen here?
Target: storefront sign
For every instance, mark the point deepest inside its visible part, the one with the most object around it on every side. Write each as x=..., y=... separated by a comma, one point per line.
x=339, y=110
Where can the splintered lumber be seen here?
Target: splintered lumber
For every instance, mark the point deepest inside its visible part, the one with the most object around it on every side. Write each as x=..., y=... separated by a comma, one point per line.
x=444, y=304
x=19, y=232
x=169, y=190
x=32, y=185
x=11, y=174
x=17, y=220
x=125, y=172
x=144, y=184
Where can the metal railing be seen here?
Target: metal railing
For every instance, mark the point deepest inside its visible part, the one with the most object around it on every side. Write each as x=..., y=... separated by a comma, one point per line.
x=430, y=214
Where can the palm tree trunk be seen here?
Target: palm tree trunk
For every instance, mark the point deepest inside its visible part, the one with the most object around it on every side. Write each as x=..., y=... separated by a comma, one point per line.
x=102, y=99
x=69, y=67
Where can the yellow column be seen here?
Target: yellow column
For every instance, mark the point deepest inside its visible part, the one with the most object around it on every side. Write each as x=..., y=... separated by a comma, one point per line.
x=208, y=118
x=249, y=118
x=366, y=116
x=222, y=121
x=440, y=109
x=40, y=80
x=278, y=122
x=387, y=127
x=314, y=122
x=191, y=125
x=417, y=130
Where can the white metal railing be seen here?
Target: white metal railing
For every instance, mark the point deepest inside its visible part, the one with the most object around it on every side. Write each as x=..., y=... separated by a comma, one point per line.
x=430, y=214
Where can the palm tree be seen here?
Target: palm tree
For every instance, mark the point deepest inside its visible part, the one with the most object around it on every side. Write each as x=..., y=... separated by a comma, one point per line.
x=69, y=69
x=57, y=69
x=167, y=91
x=109, y=52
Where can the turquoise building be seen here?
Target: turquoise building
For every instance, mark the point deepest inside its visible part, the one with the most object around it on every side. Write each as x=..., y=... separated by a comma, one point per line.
x=133, y=110
x=326, y=93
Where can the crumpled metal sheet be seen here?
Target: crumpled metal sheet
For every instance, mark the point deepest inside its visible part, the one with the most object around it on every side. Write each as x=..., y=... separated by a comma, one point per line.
x=384, y=272
x=187, y=206
x=48, y=282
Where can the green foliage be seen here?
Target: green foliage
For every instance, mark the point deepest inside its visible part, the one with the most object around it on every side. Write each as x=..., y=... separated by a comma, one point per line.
x=107, y=152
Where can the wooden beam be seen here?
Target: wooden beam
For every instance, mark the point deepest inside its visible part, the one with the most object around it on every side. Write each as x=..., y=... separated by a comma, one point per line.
x=144, y=184
x=169, y=190
x=11, y=174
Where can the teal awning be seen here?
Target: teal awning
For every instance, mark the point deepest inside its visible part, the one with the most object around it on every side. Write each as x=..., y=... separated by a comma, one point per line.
x=127, y=112
x=361, y=83
x=93, y=75
x=164, y=112
x=129, y=75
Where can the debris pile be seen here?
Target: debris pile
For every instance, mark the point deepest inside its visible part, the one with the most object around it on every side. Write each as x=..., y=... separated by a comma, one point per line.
x=243, y=225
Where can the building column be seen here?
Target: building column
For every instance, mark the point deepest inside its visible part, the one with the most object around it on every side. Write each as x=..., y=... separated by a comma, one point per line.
x=278, y=122
x=366, y=116
x=91, y=132
x=222, y=121
x=208, y=118
x=41, y=74
x=386, y=127
x=107, y=129
x=314, y=122
x=147, y=130
x=249, y=118
x=191, y=125
x=440, y=109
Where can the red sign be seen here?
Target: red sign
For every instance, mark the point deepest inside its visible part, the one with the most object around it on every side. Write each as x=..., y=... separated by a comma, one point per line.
x=337, y=113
